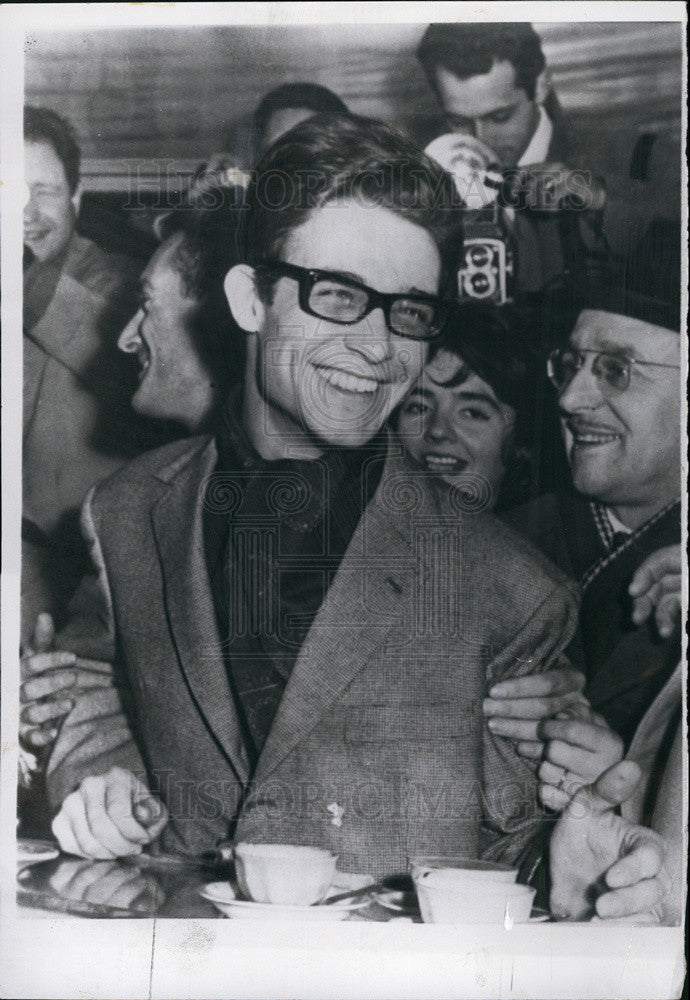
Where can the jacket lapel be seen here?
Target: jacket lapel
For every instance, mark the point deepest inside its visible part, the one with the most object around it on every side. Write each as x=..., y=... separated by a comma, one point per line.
x=178, y=529
x=372, y=594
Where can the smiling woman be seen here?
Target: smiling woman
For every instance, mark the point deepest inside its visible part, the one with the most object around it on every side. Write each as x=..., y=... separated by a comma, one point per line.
x=466, y=419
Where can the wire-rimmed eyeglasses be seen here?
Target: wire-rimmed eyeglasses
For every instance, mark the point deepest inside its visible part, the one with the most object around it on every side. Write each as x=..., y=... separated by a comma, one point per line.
x=610, y=368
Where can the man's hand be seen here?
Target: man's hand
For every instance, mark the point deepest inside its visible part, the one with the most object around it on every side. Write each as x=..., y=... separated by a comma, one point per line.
x=553, y=187
x=516, y=707
x=38, y=722
x=577, y=752
x=50, y=679
x=655, y=587
x=109, y=816
x=601, y=863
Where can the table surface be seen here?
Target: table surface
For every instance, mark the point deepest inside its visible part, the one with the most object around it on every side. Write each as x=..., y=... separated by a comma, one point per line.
x=207, y=957
x=141, y=886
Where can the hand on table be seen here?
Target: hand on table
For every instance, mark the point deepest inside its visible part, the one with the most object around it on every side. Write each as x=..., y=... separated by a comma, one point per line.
x=601, y=863
x=107, y=883
x=109, y=816
x=50, y=679
x=656, y=587
x=516, y=707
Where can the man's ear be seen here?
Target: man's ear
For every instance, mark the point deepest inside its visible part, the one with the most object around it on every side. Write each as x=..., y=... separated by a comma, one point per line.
x=245, y=305
x=542, y=86
x=76, y=199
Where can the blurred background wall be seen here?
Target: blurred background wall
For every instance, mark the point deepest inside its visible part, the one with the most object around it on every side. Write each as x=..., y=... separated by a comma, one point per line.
x=178, y=92
x=181, y=94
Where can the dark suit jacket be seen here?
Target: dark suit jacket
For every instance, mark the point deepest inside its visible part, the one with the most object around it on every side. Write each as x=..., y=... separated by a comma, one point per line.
x=378, y=749
x=546, y=242
x=626, y=664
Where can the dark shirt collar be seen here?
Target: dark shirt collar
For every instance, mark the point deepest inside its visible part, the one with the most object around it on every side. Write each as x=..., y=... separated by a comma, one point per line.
x=236, y=451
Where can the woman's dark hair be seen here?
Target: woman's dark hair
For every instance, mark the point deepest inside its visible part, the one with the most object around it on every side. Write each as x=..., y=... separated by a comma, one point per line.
x=492, y=343
x=467, y=50
x=209, y=247
x=44, y=125
x=331, y=157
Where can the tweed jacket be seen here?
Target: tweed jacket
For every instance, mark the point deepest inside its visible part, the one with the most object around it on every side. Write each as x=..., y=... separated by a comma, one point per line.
x=378, y=749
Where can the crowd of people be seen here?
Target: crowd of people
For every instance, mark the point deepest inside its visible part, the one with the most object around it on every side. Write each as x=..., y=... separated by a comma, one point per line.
x=353, y=519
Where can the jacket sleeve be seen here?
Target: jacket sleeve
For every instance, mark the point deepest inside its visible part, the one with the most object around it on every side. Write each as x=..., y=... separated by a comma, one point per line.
x=96, y=735
x=513, y=817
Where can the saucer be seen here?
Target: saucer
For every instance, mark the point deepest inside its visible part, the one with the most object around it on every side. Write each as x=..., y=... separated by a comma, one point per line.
x=224, y=898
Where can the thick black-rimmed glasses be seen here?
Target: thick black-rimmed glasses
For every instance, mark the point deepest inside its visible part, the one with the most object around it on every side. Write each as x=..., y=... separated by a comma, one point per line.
x=341, y=299
x=613, y=370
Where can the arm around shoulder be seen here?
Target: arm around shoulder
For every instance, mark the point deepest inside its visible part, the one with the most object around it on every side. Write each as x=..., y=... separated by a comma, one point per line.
x=513, y=817
x=96, y=735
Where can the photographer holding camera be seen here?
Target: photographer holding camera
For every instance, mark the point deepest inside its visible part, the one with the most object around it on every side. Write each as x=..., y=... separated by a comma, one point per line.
x=507, y=149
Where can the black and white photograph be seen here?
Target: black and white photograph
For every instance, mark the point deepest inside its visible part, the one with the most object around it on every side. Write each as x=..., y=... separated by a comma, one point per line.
x=344, y=501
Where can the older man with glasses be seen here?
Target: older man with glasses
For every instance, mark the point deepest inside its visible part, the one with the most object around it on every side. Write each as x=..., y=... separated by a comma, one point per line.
x=617, y=530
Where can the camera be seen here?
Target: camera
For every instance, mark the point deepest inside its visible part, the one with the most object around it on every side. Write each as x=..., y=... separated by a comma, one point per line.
x=486, y=273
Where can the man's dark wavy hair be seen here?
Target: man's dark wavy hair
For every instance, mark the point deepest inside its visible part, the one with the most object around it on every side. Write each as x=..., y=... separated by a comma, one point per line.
x=310, y=96
x=331, y=157
x=467, y=50
x=207, y=250
x=45, y=125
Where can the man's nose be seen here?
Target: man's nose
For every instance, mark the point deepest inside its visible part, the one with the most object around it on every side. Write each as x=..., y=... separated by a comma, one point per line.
x=481, y=130
x=129, y=339
x=370, y=338
x=30, y=210
x=583, y=392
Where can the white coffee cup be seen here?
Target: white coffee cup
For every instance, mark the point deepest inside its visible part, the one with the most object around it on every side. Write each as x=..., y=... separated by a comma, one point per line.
x=286, y=874
x=449, y=896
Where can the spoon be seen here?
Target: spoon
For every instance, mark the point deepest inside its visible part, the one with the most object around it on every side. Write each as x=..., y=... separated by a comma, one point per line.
x=354, y=893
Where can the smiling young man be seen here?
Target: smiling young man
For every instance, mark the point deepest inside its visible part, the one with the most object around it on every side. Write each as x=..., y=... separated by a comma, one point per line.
x=275, y=589
x=188, y=348
x=303, y=630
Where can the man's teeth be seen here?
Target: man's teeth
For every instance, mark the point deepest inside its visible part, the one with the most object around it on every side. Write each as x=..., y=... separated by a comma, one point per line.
x=594, y=437
x=347, y=381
